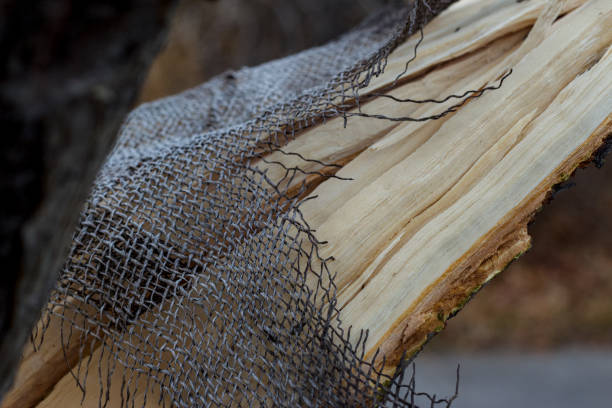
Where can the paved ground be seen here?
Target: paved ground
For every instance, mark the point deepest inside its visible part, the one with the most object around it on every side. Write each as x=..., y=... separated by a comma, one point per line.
x=566, y=378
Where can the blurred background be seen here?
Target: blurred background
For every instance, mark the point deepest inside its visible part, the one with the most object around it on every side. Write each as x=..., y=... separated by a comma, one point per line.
x=539, y=334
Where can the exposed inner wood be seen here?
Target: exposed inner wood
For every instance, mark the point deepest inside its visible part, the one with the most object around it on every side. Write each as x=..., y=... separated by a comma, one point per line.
x=444, y=205
x=435, y=209
x=462, y=29
x=331, y=144
x=380, y=158
x=42, y=367
x=145, y=392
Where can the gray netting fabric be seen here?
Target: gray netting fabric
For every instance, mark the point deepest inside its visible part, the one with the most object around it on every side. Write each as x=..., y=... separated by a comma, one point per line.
x=193, y=271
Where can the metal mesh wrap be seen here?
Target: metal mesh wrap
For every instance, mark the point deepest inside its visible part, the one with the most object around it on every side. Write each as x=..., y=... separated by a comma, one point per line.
x=194, y=271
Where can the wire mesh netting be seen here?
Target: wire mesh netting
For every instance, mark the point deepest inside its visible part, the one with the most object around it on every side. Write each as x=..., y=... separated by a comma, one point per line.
x=193, y=273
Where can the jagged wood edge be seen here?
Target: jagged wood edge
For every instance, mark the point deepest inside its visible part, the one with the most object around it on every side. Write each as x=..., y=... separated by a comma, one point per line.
x=515, y=242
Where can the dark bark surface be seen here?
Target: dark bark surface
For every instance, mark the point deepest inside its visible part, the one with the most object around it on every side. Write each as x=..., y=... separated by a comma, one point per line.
x=70, y=72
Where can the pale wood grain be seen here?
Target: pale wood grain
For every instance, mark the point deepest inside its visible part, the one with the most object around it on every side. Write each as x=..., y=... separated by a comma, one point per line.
x=430, y=213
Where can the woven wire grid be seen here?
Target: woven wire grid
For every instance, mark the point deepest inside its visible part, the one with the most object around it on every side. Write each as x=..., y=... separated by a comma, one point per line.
x=193, y=271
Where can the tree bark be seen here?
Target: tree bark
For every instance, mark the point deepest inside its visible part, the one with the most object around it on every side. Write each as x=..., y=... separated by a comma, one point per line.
x=70, y=72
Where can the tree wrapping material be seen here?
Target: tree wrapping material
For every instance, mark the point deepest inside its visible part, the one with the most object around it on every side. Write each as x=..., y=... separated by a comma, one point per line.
x=192, y=272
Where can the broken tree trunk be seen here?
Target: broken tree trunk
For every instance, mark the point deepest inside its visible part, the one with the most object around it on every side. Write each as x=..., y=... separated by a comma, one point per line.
x=435, y=209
